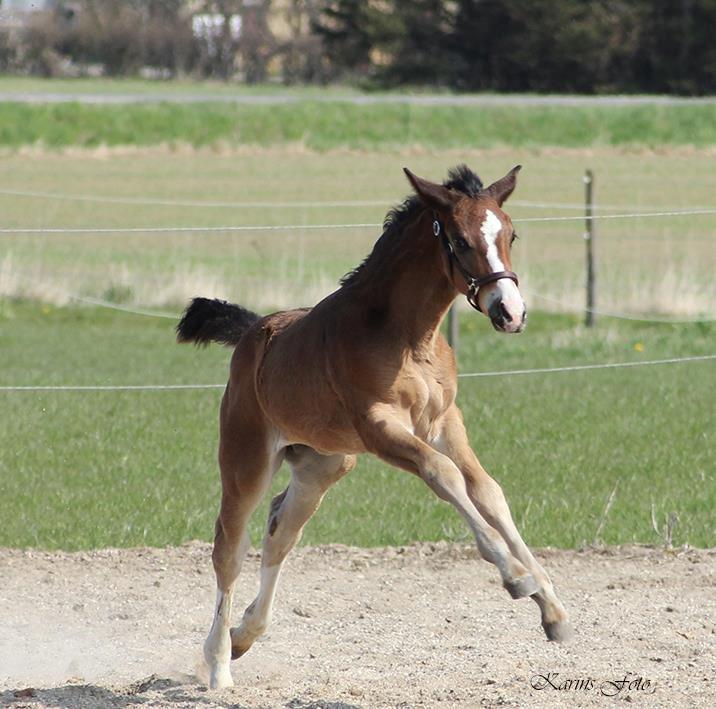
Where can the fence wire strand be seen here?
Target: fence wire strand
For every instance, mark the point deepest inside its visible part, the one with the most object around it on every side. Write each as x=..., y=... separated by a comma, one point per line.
x=309, y=227
x=214, y=204
x=123, y=308
x=100, y=303
x=211, y=204
x=467, y=375
x=621, y=316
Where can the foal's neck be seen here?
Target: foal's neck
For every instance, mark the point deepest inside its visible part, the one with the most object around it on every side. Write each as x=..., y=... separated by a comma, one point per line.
x=418, y=293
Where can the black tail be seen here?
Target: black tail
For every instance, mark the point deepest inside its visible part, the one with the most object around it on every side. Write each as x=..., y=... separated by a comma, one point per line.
x=206, y=321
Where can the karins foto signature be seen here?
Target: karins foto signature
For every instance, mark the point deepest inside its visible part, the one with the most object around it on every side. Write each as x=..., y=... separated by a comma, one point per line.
x=606, y=687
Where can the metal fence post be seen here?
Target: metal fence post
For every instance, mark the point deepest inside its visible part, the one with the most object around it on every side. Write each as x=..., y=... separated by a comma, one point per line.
x=589, y=315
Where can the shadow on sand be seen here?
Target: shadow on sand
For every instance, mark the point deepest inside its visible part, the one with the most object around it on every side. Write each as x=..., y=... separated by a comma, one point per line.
x=153, y=691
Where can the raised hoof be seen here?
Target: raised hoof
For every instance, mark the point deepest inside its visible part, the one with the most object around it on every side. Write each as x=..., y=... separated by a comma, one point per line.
x=558, y=631
x=238, y=646
x=237, y=652
x=522, y=587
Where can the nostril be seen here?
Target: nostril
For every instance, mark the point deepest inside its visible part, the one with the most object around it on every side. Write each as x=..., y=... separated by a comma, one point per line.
x=504, y=312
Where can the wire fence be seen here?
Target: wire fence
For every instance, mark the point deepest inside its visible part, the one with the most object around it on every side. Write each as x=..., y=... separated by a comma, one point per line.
x=123, y=308
x=302, y=227
x=619, y=316
x=465, y=375
x=298, y=204
x=147, y=312
x=192, y=203
x=308, y=227
x=293, y=227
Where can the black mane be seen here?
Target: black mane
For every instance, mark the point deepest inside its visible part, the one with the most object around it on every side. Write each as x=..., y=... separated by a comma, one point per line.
x=460, y=178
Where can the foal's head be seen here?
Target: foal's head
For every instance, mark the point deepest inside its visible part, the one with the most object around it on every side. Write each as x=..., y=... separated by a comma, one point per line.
x=478, y=237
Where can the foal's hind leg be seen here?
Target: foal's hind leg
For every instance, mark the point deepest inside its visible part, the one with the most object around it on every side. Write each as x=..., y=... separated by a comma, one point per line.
x=312, y=475
x=489, y=499
x=247, y=463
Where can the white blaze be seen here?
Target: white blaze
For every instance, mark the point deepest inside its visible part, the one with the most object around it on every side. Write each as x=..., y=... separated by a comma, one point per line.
x=490, y=229
x=505, y=287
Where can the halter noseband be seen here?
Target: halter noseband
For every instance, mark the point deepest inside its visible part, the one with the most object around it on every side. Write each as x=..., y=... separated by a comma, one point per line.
x=474, y=283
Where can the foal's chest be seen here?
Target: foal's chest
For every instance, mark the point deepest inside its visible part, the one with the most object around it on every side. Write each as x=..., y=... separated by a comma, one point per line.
x=426, y=395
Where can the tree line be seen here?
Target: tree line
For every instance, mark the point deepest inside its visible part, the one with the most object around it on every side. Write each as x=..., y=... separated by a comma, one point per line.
x=527, y=45
x=586, y=46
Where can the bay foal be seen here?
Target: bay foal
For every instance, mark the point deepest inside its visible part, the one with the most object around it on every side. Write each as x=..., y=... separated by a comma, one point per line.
x=366, y=370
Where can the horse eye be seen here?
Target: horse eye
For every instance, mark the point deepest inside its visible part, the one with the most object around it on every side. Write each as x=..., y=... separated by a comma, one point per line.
x=514, y=237
x=460, y=243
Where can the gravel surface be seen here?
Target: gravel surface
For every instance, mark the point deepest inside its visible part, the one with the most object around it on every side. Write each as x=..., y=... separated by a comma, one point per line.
x=426, y=625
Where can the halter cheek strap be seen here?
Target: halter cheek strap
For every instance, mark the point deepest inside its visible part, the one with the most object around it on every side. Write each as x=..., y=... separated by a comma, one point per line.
x=474, y=283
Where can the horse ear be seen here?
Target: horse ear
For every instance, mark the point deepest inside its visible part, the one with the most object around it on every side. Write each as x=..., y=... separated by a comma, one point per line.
x=432, y=194
x=505, y=186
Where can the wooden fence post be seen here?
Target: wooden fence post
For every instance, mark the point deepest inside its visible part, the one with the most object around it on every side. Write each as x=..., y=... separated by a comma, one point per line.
x=589, y=315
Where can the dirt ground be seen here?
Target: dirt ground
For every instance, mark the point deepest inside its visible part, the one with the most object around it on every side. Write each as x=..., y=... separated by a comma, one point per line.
x=421, y=626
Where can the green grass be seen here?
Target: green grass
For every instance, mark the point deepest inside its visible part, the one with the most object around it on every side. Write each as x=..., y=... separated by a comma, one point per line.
x=334, y=124
x=93, y=469
x=80, y=470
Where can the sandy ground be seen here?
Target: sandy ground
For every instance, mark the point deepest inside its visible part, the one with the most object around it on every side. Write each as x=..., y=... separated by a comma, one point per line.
x=427, y=625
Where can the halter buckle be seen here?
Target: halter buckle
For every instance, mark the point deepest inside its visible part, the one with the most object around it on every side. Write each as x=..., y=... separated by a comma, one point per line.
x=436, y=227
x=472, y=291
x=474, y=285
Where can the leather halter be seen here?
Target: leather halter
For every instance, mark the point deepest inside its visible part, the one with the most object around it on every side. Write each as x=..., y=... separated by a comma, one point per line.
x=474, y=283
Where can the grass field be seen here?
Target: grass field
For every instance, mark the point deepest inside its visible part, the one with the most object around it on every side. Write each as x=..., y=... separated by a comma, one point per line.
x=81, y=470
x=662, y=265
x=325, y=125
x=93, y=469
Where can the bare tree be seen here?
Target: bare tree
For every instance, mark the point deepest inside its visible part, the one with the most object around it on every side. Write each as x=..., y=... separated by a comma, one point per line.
x=303, y=53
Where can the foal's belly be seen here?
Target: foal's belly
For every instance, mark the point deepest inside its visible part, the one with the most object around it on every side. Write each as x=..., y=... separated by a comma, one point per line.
x=316, y=421
x=326, y=434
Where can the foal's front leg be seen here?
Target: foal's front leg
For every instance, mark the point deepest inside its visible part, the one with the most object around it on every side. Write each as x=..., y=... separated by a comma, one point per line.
x=489, y=499
x=386, y=435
